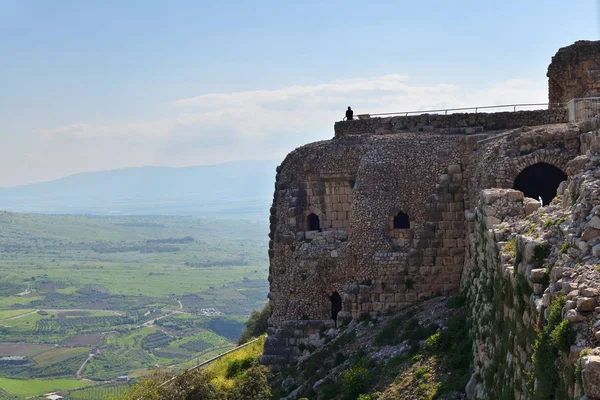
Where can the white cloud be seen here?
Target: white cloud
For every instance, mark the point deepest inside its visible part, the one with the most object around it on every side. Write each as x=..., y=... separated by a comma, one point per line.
x=259, y=124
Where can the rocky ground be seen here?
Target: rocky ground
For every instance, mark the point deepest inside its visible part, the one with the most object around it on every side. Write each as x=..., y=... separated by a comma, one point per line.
x=421, y=352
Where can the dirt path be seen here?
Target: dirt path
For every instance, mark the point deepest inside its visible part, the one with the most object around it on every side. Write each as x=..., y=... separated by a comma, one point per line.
x=20, y=315
x=58, y=310
x=83, y=365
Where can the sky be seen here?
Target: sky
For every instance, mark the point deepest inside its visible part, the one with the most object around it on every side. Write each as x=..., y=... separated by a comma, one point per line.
x=96, y=85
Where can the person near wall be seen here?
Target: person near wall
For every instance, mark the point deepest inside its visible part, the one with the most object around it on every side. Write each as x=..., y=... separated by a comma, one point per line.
x=349, y=114
x=336, y=304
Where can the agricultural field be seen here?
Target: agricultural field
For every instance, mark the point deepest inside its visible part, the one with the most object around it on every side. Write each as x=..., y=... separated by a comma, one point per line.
x=92, y=297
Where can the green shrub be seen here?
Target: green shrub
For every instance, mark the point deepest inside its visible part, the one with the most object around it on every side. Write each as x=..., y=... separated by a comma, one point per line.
x=370, y=396
x=256, y=325
x=518, y=257
x=457, y=301
x=563, y=336
x=432, y=343
x=422, y=372
x=357, y=379
x=237, y=367
x=253, y=386
x=339, y=359
x=390, y=333
x=509, y=246
x=556, y=336
x=364, y=317
x=541, y=251
x=565, y=247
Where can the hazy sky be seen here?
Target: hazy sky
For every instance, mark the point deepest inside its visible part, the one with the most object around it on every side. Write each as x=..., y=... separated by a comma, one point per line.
x=93, y=85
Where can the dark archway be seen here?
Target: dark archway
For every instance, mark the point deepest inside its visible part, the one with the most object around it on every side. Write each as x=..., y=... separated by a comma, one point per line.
x=401, y=221
x=313, y=222
x=540, y=180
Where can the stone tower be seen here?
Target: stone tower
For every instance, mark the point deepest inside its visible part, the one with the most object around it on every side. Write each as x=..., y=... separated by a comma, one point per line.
x=574, y=72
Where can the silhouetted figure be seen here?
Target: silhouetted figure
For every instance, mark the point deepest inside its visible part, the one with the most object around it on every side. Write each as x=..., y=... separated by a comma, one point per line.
x=336, y=305
x=349, y=114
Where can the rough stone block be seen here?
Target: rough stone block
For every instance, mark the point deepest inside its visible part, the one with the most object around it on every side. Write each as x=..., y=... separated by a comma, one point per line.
x=590, y=372
x=586, y=304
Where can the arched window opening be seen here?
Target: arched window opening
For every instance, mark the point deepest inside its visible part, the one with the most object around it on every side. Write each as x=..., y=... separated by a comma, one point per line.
x=313, y=222
x=540, y=181
x=401, y=221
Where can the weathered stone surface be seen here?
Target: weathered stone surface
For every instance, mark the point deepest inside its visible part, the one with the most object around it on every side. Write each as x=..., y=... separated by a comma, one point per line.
x=586, y=303
x=590, y=373
x=573, y=316
x=538, y=275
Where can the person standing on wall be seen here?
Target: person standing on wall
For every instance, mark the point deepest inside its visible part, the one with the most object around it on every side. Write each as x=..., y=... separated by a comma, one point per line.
x=336, y=304
x=349, y=114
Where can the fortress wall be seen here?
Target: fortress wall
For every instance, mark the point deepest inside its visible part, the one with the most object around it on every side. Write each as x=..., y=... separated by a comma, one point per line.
x=356, y=186
x=574, y=72
x=362, y=181
x=459, y=123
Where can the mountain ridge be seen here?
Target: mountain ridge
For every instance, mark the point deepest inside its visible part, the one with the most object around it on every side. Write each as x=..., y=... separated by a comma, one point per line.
x=236, y=188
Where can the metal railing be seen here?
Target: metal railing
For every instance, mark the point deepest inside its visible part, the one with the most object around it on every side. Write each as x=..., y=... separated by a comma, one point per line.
x=452, y=110
x=202, y=364
x=581, y=109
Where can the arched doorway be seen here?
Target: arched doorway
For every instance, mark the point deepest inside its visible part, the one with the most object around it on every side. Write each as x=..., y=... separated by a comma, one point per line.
x=401, y=221
x=313, y=223
x=540, y=180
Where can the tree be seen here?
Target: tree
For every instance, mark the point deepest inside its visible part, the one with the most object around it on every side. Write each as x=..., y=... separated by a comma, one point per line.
x=256, y=325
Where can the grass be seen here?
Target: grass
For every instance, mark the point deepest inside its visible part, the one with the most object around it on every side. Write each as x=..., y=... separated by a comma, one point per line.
x=12, y=313
x=37, y=387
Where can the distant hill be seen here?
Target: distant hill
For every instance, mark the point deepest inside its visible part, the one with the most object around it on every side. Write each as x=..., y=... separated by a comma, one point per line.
x=238, y=189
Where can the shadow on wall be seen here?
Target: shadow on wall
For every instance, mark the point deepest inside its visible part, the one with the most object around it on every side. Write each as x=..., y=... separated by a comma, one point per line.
x=540, y=180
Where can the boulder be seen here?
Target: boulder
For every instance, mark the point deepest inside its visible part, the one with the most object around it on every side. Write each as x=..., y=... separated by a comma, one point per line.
x=595, y=222
x=531, y=205
x=470, y=388
x=538, y=275
x=586, y=304
x=590, y=373
x=574, y=316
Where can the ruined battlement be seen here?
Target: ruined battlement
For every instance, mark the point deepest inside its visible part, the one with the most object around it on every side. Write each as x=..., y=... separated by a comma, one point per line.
x=574, y=72
x=457, y=123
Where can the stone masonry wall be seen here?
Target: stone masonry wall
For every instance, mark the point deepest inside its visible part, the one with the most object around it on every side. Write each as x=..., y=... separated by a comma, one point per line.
x=574, y=72
x=459, y=123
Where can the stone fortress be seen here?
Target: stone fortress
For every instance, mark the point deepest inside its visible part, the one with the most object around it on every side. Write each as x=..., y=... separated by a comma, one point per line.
x=384, y=211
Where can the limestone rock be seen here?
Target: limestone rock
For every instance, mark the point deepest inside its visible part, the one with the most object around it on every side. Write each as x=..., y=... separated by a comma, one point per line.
x=596, y=250
x=470, y=388
x=573, y=316
x=586, y=303
x=595, y=222
x=537, y=275
x=531, y=205
x=590, y=372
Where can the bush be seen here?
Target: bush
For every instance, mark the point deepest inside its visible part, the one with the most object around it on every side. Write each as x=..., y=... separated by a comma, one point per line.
x=254, y=385
x=256, y=325
x=432, y=343
x=457, y=301
x=357, y=379
x=541, y=251
x=370, y=396
x=563, y=336
x=556, y=336
x=236, y=367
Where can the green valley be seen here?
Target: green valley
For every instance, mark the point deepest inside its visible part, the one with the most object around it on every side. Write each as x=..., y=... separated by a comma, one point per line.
x=88, y=299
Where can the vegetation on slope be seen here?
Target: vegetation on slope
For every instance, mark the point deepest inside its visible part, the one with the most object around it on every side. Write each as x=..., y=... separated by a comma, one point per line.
x=236, y=376
x=423, y=352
